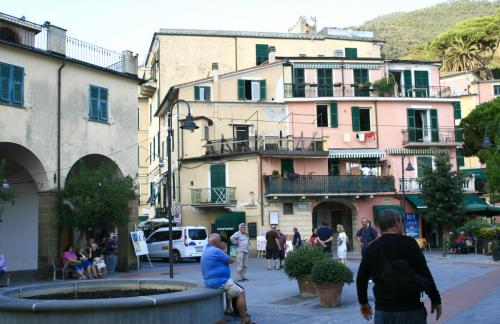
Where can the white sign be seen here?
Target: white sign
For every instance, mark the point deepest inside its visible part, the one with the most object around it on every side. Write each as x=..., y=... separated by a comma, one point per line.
x=261, y=243
x=274, y=217
x=139, y=243
x=177, y=212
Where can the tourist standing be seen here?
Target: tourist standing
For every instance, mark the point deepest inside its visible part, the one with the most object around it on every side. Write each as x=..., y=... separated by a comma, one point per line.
x=272, y=248
x=366, y=234
x=313, y=240
x=342, y=244
x=282, y=243
x=240, y=239
x=297, y=240
x=395, y=301
x=325, y=237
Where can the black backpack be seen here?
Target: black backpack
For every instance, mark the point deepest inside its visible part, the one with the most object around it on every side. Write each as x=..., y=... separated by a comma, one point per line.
x=400, y=279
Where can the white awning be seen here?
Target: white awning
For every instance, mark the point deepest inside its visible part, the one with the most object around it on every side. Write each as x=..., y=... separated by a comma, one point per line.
x=354, y=153
x=415, y=151
x=347, y=66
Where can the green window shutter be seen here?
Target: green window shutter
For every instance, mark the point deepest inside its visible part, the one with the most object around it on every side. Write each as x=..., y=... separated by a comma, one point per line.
x=241, y=89
x=412, y=131
x=458, y=134
x=457, y=110
x=355, y=119
x=261, y=53
x=17, y=85
x=196, y=93
x=408, y=83
x=207, y=94
x=334, y=117
x=460, y=157
x=4, y=82
x=262, y=90
x=298, y=86
x=351, y=52
x=103, y=103
x=422, y=84
x=434, y=126
x=325, y=83
x=423, y=163
x=94, y=102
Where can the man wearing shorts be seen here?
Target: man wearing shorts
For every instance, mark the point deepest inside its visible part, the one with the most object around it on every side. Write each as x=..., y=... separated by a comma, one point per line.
x=272, y=248
x=217, y=274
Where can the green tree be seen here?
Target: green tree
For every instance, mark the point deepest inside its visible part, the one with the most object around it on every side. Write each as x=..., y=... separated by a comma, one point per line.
x=442, y=193
x=7, y=195
x=96, y=199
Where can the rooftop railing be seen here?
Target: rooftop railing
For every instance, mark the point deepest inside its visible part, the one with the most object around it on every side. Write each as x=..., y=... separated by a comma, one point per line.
x=217, y=196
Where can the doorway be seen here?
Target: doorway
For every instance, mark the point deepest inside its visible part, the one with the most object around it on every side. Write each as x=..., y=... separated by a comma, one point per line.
x=333, y=213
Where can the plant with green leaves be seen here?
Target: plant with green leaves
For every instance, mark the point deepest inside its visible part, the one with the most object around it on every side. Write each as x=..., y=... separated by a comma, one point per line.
x=472, y=226
x=329, y=271
x=384, y=87
x=7, y=195
x=442, y=193
x=97, y=199
x=299, y=262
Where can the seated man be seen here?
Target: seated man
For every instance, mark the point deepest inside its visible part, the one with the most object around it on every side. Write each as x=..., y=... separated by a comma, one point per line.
x=217, y=274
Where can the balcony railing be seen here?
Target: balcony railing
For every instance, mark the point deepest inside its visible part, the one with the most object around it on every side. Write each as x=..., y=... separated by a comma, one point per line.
x=443, y=136
x=264, y=143
x=217, y=196
x=324, y=185
x=415, y=184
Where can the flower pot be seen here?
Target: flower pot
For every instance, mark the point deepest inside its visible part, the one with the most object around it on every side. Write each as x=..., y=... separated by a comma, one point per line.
x=306, y=286
x=329, y=294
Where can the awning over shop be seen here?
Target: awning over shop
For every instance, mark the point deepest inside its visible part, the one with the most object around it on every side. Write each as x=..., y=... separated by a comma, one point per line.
x=475, y=205
x=417, y=201
x=479, y=174
x=415, y=151
x=354, y=153
x=229, y=221
x=378, y=209
x=142, y=218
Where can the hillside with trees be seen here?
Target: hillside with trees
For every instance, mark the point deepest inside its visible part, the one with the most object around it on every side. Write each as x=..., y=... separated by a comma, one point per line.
x=413, y=30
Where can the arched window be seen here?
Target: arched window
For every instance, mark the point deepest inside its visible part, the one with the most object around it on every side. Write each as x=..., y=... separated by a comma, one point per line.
x=7, y=34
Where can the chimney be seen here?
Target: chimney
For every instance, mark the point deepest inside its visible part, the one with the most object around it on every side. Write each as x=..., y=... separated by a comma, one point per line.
x=56, y=39
x=129, y=63
x=215, y=71
x=272, y=54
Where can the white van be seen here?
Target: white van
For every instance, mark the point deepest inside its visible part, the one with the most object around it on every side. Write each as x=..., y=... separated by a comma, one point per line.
x=188, y=242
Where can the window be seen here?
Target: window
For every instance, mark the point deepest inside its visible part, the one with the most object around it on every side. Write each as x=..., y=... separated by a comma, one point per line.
x=351, y=52
x=334, y=116
x=206, y=133
x=261, y=53
x=361, y=78
x=287, y=166
x=254, y=90
x=197, y=234
x=7, y=34
x=201, y=93
x=98, y=103
x=11, y=84
x=163, y=236
x=360, y=119
x=325, y=82
x=457, y=110
x=333, y=167
x=322, y=116
x=496, y=90
x=287, y=208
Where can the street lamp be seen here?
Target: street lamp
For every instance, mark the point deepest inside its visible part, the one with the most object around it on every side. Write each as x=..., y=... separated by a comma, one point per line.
x=409, y=167
x=187, y=124
x=486, y=139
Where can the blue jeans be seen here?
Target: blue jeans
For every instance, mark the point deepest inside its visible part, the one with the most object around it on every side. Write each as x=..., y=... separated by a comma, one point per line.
x=418, y=316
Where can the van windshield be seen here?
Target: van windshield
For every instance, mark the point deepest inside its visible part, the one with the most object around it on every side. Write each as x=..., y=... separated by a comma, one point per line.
x=197, y=234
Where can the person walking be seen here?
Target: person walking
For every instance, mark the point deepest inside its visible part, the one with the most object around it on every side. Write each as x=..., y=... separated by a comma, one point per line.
x=282, y=243
x=240, y=239
x=342, y=244
x=394, y=305
x=365, y=235
x=272, y=248
x=325, y=237
x=297, y=240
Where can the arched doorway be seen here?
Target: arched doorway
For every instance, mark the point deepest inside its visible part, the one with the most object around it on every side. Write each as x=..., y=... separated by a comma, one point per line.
x=333, y=213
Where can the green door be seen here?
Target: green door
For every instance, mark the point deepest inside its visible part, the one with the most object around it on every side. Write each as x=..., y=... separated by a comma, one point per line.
x=423, y=162
x=287, y=166
x=325, y=83
x=218, y=193
x=421, y=84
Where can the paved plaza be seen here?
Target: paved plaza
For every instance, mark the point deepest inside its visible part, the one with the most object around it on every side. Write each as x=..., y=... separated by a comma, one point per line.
x=469, y=285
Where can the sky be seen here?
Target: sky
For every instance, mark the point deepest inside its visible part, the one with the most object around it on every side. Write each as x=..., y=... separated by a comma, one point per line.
x=129, y=25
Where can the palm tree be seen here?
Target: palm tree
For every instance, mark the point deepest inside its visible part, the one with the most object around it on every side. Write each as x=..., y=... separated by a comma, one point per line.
x=462, y=55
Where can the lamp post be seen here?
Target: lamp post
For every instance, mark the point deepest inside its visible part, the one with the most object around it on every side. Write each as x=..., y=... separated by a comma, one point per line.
x=409, y=167
x=486, y=139
x=188, y=124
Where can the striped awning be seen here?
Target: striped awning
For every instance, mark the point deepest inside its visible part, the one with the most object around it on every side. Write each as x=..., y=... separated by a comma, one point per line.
x=354, y=153
x=347, y=66
x=416, y=151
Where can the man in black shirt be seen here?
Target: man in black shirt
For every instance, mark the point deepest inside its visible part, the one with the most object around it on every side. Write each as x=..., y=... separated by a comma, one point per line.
x=325, y=238
x=390, y=308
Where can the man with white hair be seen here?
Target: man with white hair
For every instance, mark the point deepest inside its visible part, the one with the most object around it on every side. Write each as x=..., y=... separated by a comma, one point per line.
x=217, y=274
x=240, y=239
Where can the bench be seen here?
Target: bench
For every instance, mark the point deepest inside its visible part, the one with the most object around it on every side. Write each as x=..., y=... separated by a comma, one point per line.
x=65, y=271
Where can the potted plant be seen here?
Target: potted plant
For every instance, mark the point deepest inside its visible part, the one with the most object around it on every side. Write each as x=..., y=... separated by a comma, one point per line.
x=337, y=84
x=275, y=173
x=355, y=85
x=384, y=87
x=299, y=264
x=329, y=277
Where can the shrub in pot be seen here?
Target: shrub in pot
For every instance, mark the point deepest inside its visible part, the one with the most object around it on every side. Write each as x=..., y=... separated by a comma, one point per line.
x=329, y=277
x=299, y=264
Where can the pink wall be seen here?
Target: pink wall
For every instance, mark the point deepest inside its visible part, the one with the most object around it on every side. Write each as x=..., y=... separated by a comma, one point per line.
x=314, y=166
x=485, y=91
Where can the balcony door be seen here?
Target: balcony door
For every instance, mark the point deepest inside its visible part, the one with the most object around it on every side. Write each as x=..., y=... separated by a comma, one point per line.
x=423, y=125
x=242, y=136
x=218, y=192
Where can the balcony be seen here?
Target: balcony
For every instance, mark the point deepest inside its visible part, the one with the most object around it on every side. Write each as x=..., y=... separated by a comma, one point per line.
x=414, y=185
x=328, y=185
x=264, y=144
x=213, y=197
x=442, y=136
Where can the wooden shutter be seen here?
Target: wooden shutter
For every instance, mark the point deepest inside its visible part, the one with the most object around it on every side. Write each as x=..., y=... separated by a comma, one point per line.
x=262, y=90
x=457, y=110
x=196, y=93
x=325, y=83
x=298, y=86
x=4, y=82
x=103, y=104
x=94, y=102
x=351, y=52
x=421, y=83
x=434, y=125
x=334, y=117
x=412, y=131
x=261, y=53
x=17, y=84
x=355, y=119
x=408, y=83
x=241, y=89
x=207, y=93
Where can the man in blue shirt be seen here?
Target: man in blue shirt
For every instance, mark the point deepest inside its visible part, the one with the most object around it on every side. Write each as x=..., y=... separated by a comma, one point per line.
x=297, y=240
x=366, y=235
x=325, y=238
x=217, y=274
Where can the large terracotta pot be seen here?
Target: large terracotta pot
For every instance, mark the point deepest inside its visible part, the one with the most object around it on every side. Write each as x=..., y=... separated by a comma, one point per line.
x=329, y=294
x=306, y=286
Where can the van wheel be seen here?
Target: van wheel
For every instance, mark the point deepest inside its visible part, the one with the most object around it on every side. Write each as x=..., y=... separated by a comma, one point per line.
x=176, y=256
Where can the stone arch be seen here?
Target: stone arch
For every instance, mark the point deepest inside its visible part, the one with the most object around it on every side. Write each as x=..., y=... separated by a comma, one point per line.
x=93, y=161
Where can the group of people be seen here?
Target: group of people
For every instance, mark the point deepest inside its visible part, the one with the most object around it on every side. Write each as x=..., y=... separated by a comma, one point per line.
x=89, y=262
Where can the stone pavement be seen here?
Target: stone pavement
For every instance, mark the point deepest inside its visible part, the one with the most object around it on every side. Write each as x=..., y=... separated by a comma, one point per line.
x=469, y=285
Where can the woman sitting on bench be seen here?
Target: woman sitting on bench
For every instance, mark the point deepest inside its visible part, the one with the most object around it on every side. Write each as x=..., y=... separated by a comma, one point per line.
x=70, y=261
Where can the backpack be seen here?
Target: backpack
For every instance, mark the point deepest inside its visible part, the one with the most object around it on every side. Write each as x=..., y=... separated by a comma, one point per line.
x=400, y=279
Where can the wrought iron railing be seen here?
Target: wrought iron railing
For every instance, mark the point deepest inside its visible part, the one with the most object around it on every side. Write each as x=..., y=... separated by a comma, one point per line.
x=415, y=184
x=217, y=196
x=432, y=135
x=323, y=184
